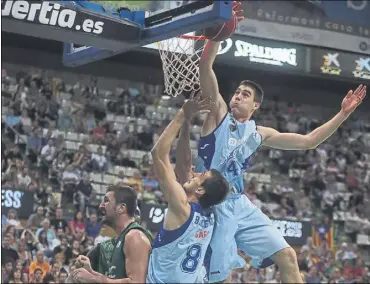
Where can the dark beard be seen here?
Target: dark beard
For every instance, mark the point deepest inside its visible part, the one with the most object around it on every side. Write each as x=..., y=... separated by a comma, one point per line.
x=107, y=221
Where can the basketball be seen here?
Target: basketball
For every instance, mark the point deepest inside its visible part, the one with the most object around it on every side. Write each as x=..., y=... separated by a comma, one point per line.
x=223, y=31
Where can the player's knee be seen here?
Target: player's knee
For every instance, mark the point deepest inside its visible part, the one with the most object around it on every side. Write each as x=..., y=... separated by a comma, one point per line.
x=286, y=259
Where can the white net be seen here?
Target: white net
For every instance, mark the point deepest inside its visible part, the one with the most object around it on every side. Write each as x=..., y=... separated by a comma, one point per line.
x=180, y=61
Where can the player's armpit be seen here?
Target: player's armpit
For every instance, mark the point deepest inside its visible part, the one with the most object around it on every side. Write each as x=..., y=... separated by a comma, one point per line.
x=137, y=251
x=284, y=141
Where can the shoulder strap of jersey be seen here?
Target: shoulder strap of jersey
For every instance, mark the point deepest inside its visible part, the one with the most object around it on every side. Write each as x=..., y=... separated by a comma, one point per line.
x=132, y=226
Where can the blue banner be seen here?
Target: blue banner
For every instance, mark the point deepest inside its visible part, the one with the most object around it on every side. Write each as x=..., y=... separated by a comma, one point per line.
x=20, y=200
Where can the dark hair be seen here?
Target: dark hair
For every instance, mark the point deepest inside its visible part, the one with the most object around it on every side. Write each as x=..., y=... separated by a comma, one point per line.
x=127, y=195
x=258, y=90
x=216, y=189
x=62, y=270
x=37, y=269
x=43, y=241
x=48, y=278
x=75, y=216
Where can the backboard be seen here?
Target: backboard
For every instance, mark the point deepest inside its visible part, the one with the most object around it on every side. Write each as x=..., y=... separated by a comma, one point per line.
x=94, y=30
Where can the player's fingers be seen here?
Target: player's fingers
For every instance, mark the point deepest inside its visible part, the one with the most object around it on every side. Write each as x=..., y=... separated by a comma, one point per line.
x=358, y=89
x=206, y=101
x=349, y=94
x=236, y=5
x=239, y=13
x=207, y=106
x=239, y=19
x=198, y=96
x=192, y=95
x=363, y=93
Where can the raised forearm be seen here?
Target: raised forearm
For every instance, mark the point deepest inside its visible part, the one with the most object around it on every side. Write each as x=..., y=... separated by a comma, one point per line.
x=209, y=53
x=320, y=134
x=183, y=154
x=163, y=146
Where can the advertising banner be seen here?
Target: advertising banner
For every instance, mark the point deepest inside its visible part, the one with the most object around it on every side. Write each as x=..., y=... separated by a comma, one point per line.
x=20, y=200
x=333, y=24
x=294, y=232
x=340, y=64
x=242, y=51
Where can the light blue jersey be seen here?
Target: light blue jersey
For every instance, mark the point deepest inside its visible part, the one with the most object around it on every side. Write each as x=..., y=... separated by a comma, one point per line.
x=177, y=255
x=228, y=149
x=239, y=223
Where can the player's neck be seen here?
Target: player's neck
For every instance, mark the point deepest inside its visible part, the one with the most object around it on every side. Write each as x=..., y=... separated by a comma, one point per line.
x=123, y=222
x=242, y=119
x=192, y=199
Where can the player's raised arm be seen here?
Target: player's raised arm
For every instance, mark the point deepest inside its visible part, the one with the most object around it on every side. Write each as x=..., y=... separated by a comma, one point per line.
x=183, y=154
x=208, y=80
x=172, y=190
x=292, y=141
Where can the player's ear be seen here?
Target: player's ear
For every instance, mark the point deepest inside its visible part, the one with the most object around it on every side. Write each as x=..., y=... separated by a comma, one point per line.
x=121, y=208
x=200, y=191
x=256, y=105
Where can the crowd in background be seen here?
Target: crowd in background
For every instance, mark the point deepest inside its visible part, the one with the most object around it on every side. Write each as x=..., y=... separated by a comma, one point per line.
x=329, y=183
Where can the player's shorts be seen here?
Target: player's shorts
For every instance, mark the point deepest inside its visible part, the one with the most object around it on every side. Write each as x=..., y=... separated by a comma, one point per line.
x=240, y=224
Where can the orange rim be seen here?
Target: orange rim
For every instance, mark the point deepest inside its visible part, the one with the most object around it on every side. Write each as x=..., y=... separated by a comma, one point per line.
x=192, y=37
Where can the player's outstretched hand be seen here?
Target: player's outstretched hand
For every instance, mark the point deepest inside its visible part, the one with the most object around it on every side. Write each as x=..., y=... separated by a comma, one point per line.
x=196, y=105
x=83, y=262
x=353, y=99
x=237, y=10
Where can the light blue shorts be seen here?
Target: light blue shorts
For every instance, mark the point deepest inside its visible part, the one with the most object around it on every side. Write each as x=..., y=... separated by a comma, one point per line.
x=241, y=225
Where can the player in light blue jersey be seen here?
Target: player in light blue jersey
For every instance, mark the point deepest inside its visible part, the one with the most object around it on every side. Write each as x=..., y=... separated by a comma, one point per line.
x=228, y=140
x=180, y=246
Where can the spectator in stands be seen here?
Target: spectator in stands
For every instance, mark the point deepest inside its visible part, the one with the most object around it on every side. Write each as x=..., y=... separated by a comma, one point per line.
x=99, y=161
x=24, y=179
x=9, y=179
x=145, y=165
x=50, y=234
x=126, y=160
x=44, y=244
x=312, y=276
x=98, y=134
x=59, y=222
x=93, y=226
x=63, y=253
x=34, y=144
x=62, y=276
x=77, y=223
x=145, y=139
x=25, y=123
x=136, y=181
x=39, y=263
x=8, y=253
x=34, y=221
x=24, y=255
x=82, y=195
x=70, y=177
x=121, y=178
x=12, y=233
x=56, y=242
x=12, y=219
x=54, y=271
x=7, y=271
x=47, y=155
x=37, y=276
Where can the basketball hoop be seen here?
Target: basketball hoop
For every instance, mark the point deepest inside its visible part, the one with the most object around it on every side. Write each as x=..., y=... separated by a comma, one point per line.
x=180, y=62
